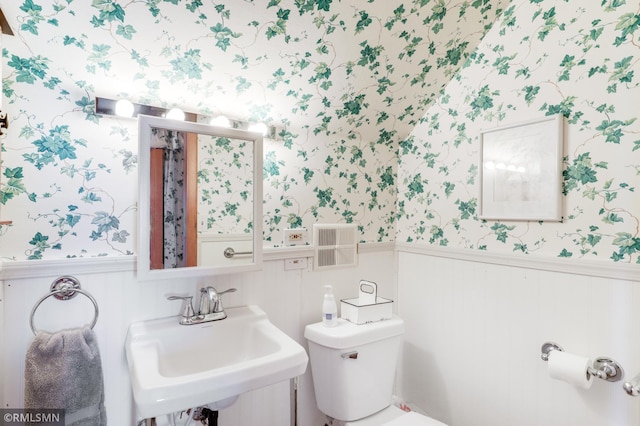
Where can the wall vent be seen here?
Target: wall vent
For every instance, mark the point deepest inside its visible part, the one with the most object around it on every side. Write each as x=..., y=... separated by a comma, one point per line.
x=335, y=245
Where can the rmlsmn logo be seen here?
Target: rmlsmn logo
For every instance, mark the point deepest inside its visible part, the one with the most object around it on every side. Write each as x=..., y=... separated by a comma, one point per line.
x=44, y=417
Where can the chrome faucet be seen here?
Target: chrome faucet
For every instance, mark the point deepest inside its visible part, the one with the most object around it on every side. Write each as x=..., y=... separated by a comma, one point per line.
x=211, y=302
x=211, y=308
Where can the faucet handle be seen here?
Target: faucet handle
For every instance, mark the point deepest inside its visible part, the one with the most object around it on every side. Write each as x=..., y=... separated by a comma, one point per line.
x=187, y=312
x=218, y=305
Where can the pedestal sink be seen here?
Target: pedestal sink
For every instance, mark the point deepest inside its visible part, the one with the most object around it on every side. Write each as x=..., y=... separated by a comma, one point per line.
x=174, y=367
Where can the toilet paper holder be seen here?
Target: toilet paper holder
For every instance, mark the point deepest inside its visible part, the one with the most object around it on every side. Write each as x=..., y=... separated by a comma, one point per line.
x=603, y=367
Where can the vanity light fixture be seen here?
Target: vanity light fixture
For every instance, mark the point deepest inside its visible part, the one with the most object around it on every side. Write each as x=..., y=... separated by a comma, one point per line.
x=106, y=106
x=126, y=108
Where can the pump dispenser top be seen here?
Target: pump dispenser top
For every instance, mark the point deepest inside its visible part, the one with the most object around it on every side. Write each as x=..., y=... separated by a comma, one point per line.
x=329, y=307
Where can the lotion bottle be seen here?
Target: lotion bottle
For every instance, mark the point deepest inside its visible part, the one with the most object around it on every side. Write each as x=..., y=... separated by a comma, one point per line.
x=329, y=308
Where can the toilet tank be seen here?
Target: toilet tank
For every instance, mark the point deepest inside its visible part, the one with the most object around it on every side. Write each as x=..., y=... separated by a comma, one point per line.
x=353, y=366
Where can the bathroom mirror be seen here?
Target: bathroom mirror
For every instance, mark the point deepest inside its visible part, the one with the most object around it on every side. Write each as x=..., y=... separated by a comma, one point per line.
x=200, y=199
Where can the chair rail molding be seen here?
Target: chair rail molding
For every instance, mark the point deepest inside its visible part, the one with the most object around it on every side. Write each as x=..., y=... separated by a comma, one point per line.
x=589, y=267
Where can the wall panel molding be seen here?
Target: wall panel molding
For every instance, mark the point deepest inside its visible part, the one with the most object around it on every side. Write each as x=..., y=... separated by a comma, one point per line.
x=45, y=268
x=18, y=269
x=588, y=267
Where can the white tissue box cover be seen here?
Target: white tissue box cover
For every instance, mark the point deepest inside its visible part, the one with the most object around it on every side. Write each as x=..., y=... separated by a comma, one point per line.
x=353, y=311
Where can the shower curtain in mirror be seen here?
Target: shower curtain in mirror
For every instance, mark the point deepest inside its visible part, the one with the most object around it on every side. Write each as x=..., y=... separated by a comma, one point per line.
x=173, y=145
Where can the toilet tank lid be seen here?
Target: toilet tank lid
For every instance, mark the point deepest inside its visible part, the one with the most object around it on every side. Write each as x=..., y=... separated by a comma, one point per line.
x=347, y=335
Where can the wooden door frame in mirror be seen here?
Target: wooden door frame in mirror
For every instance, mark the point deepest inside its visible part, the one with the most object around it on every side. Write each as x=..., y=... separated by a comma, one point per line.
x=145, y=126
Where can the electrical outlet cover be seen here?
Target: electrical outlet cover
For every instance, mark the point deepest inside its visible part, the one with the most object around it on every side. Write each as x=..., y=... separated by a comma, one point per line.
x=295, y=237
x=296, y=263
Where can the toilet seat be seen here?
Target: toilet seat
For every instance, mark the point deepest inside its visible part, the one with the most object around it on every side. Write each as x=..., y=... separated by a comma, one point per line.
x=394, y=416
x=413, y=419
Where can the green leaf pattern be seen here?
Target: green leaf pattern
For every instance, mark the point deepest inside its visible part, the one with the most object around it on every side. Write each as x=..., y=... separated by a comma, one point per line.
x=586, y=70
x=380, y=104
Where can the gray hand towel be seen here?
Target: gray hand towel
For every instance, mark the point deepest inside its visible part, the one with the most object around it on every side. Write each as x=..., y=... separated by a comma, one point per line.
x=63, y=370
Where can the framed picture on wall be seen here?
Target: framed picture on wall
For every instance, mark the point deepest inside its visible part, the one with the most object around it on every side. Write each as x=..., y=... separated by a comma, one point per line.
x=521, y=171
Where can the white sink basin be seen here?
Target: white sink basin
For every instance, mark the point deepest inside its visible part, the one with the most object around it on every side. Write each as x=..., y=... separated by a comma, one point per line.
x=174, y=367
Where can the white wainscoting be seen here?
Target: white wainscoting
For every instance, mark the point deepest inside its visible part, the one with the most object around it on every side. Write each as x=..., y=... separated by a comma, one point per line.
x=474, y=328
x=473, y=335
x=291, y=299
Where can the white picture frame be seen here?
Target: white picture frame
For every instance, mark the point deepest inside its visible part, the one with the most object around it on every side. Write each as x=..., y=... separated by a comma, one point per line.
x=521, y=171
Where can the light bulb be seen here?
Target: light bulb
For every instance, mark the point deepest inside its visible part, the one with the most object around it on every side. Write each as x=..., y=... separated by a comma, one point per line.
x=259, y=128
x=124, y=108
x=220, y=121
x=175, y=114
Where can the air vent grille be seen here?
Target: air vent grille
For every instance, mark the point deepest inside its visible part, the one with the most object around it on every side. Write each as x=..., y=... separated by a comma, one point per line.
x=336, y=245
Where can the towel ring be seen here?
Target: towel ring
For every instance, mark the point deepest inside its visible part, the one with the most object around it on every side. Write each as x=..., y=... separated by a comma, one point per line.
x=64, y=288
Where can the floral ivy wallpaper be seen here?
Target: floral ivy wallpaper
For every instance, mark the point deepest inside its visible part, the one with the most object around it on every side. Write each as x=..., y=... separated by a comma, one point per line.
x=578, y=59
x=344, y=81
x=379, y=106
x=225, y=180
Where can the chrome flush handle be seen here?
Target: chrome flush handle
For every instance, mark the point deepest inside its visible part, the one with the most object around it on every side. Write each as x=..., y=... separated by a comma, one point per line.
x=350, y=355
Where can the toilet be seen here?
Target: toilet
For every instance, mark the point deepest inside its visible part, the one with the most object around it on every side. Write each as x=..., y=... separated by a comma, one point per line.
x=353, y=369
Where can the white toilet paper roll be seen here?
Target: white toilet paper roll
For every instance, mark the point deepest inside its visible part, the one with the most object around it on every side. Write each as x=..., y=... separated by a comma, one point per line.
x=570, y=368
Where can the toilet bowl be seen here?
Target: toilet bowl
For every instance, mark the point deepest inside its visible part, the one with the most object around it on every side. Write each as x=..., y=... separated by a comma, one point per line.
x=353, y=369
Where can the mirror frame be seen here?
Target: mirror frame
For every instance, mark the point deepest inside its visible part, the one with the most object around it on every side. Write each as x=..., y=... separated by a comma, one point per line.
x=145, y=125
